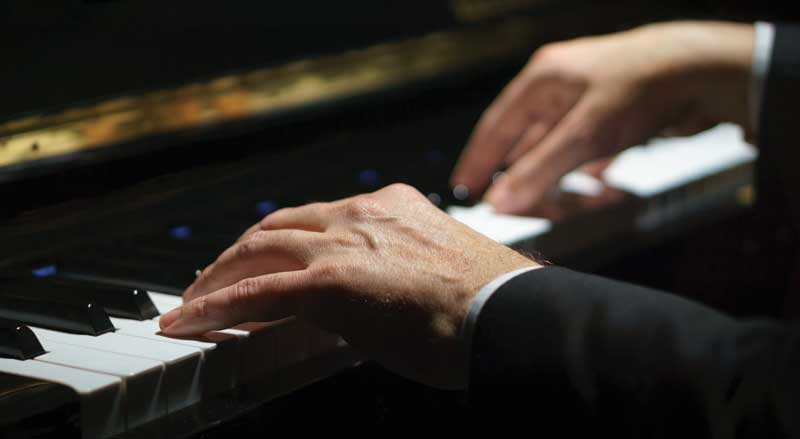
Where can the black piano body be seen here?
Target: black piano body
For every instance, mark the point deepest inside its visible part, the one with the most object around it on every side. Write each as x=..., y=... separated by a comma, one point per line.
x=137, y=139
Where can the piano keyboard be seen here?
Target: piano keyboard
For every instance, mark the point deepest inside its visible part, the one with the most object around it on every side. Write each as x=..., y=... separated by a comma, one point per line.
x=132, y=378
x=90, y=322
x=652, y=173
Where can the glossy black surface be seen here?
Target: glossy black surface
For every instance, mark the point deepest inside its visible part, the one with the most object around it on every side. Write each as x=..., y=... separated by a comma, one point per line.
x=18, y=341
x=126, y=302
x=82, y=318
x=31, y=408
x=215, y=183
x=155, y=274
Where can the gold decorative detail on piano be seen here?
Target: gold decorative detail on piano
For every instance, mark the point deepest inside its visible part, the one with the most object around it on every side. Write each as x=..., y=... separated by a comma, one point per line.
x=475, y=10
x=746, y=195
x=262, y=93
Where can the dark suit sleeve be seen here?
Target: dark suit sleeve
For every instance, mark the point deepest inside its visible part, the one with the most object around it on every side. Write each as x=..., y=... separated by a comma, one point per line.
x=778, y=170
x=566, y=354
x=777, y=213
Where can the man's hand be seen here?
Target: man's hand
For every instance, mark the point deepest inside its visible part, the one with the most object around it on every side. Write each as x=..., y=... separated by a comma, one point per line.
x=584, y=99
x=388, y=271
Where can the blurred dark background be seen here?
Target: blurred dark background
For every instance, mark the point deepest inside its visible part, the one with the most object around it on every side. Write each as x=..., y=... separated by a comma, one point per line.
x=57, y=53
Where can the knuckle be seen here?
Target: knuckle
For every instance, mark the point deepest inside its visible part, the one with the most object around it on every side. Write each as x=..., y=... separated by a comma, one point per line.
x=288, y=237
x=242, y=292
x=197, y=308
x=546, y=53
x=268, y=221
x=255, y=237
x=403, y=189
x=246, y=249
x=341, y=240
x=327, y=273
x=362, y=207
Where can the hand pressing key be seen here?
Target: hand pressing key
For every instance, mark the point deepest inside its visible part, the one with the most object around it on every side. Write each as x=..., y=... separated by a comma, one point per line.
x=580, y=100
x=388, y=271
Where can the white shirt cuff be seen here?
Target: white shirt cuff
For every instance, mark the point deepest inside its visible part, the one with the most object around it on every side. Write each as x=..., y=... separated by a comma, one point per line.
x=762, y=56
x=482, y=297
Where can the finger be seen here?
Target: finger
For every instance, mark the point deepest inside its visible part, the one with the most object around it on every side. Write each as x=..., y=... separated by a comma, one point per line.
x=495, y=134
x=568, y=145
x=310, y=217
x=263, y=252
x=252, y=229
x=258, y=299
x=559, y=103
x=533, y=135
x=690, y=126
x=597, y=168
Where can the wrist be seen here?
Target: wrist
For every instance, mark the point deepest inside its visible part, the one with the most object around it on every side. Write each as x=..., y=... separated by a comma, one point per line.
x=728, y=74
x=706, y=66
x=487, y=272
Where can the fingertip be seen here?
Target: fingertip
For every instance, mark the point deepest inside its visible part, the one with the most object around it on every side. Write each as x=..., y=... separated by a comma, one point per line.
x=188, y=327
x=500, y=198
x=169, y=318
x=179, y=329
x=507, y=199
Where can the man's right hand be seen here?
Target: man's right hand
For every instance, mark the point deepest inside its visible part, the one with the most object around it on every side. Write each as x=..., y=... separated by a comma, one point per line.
x=589, y=98
x=389, y=271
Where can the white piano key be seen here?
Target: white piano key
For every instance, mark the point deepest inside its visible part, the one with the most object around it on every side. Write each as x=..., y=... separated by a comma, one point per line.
x=267, y=347
x=183, y=364
x=581, y=183
x=505, y=229
x=165, y=302
x=665, y=164
x=257, y=340
x=101, y=395
x=145, y=393
x=221, y=352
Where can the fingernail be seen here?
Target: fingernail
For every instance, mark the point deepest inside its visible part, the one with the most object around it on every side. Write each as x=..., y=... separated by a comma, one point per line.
x=177, y=324
x=188, y=327
x=169, y=318
x=182, y=328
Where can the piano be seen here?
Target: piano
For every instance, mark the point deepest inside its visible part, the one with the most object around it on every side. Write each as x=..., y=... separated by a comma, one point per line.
x=138, y=139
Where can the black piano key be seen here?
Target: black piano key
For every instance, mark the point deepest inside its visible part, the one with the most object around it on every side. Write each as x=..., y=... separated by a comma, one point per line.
x=18, y=341
x=85, y=318
x=125, y=302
